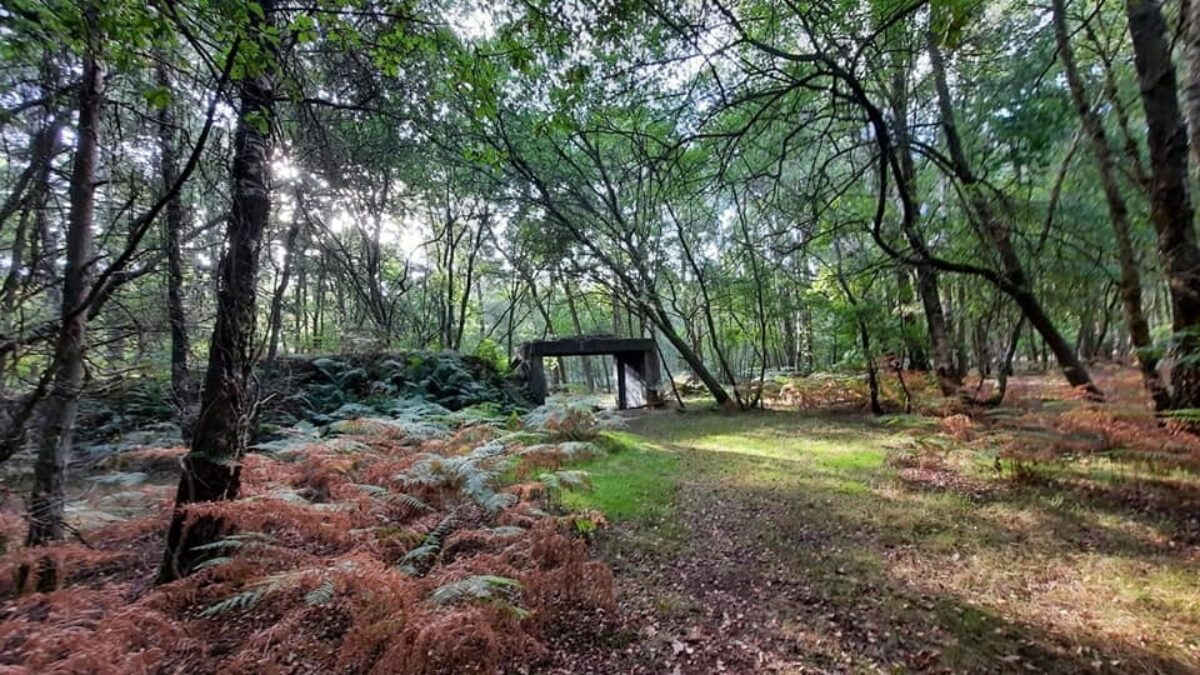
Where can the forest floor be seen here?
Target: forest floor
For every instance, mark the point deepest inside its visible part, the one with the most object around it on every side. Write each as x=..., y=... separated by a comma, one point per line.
x=793, y=542
x=1051, y=534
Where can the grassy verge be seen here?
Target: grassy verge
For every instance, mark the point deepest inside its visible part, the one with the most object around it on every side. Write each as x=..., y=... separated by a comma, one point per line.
x=992, y=570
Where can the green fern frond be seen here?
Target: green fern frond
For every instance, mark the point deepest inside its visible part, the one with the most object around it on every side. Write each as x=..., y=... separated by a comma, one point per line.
x=498, y=502
x=488, y=450
x=243, y=600
x=445, y=526
x=237, y=541
x=484, y=587
x=372, y=490
x=250, y=597
x=418, y=561
x=212, y=562
x=1183, y=414
x=320, y=595
x=412, y=502
x=421, y=553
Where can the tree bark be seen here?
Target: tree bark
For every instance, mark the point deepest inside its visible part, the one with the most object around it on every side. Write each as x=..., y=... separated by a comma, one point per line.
x=916, y=355
x=468, y=283
x=1170, y=205
x=61, y=405
x=935, y=320
x=176, y=317
x=212, y=468
x=42, y=149
x=1130, y=281
x=1191, y=89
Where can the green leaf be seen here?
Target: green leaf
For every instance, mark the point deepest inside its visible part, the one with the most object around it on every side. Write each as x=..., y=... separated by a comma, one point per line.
x=158, y=97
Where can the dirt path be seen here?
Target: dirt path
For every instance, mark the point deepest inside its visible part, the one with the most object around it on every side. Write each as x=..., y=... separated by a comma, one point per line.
x=727, y=601
x=767, y=571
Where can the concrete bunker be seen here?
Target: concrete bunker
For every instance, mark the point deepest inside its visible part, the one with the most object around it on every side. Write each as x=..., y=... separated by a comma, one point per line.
x=635, y=361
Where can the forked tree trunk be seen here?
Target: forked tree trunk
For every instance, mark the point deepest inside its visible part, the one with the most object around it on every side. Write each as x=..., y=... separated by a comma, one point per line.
x=998, y=236
x=1170, y=204
x=947, y=374
x=48, y=497
x=1130, y=282
x=1006, y=366
x=212, y=469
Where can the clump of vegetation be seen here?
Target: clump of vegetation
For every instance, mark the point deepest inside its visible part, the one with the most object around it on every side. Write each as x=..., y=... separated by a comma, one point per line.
x=325, y=389
x=570, y=421
x=405, y=552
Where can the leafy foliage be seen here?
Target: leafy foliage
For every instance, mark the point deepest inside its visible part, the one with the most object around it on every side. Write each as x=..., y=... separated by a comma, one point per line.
x=411, y=387
x=569, y=421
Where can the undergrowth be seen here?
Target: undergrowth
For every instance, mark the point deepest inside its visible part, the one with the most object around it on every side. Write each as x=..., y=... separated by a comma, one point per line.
x=415, y=543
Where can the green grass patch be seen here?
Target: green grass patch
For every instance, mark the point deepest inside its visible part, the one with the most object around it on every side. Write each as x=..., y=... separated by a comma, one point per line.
x=957, y=549
x=634, y=481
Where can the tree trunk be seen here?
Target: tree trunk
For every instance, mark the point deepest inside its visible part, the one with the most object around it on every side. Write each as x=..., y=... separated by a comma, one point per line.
x=927, y=277
x=1170, y=205
x=935, y=320
x=176, y=317
x=660, y=317
x=706, y=307
x=42, y=149
x=918, y=359
x=872, y=374
x=1010, y=263
x=58, y=422
x=1130, y=282
x=212, y=469
x=1191, y=89
x=289, y=245
x=464, y=302
x=1006, y=365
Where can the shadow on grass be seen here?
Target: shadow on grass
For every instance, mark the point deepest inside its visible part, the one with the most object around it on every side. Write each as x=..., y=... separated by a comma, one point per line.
x=1030, y=578
x=1170, y=506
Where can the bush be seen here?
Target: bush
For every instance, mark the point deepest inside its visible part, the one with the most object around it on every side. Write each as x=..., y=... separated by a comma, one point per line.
x=325, y=389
